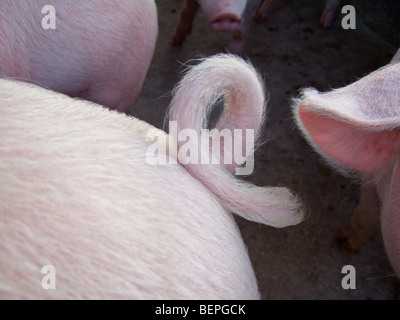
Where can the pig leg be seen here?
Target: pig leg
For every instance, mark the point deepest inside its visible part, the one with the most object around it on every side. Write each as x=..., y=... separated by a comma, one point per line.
x=364, y=224
x=184, y=27
x=329, y=13
x=239, y=36
x=238, y=42
x=116, y=93
x=266, y=8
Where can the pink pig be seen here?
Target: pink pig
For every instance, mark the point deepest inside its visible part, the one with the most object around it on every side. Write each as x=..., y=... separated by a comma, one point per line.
x=236, y=16
x=358, y=128
x=100, y=50
x=78, y=194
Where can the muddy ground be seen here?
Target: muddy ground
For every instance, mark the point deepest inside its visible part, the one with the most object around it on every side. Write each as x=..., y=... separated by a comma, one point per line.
x=291, y=52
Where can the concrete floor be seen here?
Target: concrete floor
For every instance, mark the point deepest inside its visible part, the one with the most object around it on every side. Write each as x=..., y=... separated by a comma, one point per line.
x=291, y=52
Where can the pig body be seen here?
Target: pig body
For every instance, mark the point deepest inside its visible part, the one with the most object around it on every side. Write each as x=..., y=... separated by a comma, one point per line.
x=78, y=193
x=99, y=51
x=357, y=128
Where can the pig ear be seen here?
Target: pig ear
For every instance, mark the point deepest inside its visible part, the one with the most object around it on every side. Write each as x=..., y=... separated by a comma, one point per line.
x=357, y=125
x=396, y=58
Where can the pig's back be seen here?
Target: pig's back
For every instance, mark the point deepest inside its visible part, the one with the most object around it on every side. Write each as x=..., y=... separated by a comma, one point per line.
x=100, y=50
x=77, y=193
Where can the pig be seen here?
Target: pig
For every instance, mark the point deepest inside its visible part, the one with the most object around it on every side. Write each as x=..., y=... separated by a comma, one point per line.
x=236, y=16
x=100, y=50
x=224, y=15
x=357, y=130
x=84, y=214
x=267, y=7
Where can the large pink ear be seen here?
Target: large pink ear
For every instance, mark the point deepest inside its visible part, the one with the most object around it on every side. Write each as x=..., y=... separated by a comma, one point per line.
x=358, y=125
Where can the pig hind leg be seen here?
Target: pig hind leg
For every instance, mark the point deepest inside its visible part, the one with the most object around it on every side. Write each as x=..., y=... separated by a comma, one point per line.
x=266, y=8
x=364, y=223
x=328, y=15
x=238, y=42
x=184, y=27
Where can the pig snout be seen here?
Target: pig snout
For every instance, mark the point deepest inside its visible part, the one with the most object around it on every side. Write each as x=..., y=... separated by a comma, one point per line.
x=225, y=21
x=83, y=200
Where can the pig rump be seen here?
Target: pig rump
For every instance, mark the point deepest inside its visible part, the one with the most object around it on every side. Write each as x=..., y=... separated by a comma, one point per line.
x=244, y=108
x=77, y=193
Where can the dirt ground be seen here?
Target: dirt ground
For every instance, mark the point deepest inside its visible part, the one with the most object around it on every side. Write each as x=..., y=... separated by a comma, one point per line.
x=291, y=52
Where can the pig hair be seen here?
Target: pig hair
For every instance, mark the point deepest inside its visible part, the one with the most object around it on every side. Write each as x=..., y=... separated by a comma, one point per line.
x=396, y=57
x=238, y=82
x=77, y=193
x=328, y=160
